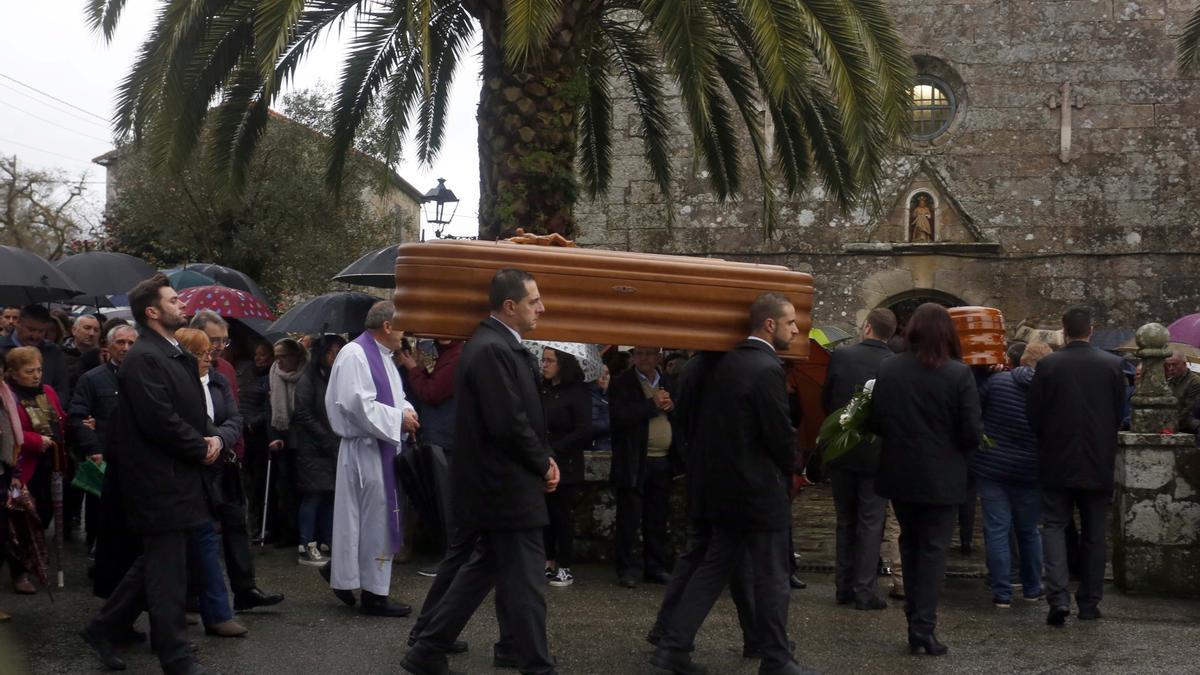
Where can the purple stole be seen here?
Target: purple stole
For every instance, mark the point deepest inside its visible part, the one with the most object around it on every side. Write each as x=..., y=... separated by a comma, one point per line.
x=387, y=451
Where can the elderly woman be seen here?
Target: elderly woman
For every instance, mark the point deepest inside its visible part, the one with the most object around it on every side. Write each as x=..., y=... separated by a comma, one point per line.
x=925, y=406
x=215, y=609
x=41, y=417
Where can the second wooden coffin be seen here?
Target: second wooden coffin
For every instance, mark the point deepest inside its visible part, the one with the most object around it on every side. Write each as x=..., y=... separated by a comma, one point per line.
x=597, y=296
x=981, y=335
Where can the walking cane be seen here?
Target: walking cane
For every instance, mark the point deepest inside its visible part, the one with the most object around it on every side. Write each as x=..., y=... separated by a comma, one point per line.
x=56, y=499
x=262, y=536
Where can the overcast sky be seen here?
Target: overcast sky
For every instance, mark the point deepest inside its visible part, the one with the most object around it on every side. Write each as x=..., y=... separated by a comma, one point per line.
x=47, y=45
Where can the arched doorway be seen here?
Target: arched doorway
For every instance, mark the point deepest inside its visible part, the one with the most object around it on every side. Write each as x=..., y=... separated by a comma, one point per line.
x=904, y=304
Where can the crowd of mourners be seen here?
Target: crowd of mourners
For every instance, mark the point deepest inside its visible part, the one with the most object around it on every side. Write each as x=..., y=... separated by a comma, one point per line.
x=213, y=443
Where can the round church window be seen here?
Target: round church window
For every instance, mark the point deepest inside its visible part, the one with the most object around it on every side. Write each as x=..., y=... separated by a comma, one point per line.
x=932, y=108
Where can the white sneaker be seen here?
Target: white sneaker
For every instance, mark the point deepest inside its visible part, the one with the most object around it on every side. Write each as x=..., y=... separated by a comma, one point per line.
x=562, y=578
x=310, y=555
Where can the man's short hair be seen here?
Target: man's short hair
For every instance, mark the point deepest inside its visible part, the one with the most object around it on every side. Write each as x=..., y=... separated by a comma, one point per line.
x=508, y=284
x=1176, y=358
x=1077, y=322
x=379, y=314
x=882, y=322
x=205, y=317
x=145, y=295
x=112, y=323
x=767, y=306
x=36, y=313
x=112, y=332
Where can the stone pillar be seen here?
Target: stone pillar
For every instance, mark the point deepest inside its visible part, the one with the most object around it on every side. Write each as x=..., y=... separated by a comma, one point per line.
x=1157, y=547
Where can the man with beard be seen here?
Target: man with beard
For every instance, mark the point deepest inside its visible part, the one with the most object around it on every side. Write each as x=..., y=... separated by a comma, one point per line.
x=161, y=422
x=744, y=442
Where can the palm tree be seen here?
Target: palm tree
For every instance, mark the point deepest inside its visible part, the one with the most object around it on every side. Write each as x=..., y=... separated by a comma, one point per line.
x=1189, y=45
x=833, y=75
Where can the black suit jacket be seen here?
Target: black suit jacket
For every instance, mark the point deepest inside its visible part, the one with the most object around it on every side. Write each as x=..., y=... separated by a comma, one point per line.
x=630, y=413
x=929, y=419
x=1075, y=407
x=744, y=443
x=501, y=452
x=849, y=368
x=96, y=395
x=159, y=428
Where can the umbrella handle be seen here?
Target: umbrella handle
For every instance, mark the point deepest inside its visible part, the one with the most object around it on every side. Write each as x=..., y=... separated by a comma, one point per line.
x=262, y=536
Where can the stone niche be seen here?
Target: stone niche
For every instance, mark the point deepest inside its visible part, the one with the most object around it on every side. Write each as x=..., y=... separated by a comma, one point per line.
x=1157, y=547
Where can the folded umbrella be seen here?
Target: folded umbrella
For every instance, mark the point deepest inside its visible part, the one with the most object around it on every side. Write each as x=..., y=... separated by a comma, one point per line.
x=26, y=536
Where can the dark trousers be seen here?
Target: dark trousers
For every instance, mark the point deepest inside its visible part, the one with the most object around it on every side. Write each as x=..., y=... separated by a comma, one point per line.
x=157, y=583
x=1058, y=508
x=208, y=581
x=458, y=552
x=724, y=551
x=511, y=562
x=235, y=533
x=741, y=584
x=645, y=508
x=560, y=533
x=860, y=514
x=925, y=531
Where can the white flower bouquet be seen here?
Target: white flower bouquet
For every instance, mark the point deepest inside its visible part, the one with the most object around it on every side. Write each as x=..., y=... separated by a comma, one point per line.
x=845, y=428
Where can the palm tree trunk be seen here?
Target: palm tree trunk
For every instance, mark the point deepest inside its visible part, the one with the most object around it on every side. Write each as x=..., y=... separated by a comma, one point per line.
x=527, y=131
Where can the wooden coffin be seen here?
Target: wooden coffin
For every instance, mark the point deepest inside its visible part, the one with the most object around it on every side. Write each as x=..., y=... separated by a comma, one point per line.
x=592, y=295
x=981, y=334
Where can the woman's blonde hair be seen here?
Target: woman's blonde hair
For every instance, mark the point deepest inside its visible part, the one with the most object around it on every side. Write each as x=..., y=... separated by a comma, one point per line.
x=193, y=340
x=22, y=357
x=1034, y=353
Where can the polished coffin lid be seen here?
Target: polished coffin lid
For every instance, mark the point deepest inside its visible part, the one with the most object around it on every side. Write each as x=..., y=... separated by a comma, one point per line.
x=981, y=334
x=593, y=295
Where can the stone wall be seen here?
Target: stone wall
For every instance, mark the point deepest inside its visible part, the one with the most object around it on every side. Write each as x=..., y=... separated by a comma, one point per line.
x=1115, y=224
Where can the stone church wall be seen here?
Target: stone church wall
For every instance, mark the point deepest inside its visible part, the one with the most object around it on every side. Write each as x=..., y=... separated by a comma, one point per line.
x=1117, y=224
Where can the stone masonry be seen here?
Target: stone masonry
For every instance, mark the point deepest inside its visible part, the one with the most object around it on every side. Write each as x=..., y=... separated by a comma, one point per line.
x=1023, y=223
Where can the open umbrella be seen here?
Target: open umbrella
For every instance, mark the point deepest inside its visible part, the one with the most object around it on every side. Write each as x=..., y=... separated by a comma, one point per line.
x=588, y=355
x=341, y=312
x=1186, y=330
x=181, y=278
x=227, y=276
x=377, y=269
x=26, y=278
x=104, y=273
x=228, y=302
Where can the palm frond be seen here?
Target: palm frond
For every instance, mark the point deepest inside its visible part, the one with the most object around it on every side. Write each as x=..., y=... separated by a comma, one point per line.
x=527, y=28
x=740, y=82
x=1189, y=45
x=781, y=38
x=890, y=59
x=103, y=16
x=595, y=121
x=449, y=33
x=274, y=22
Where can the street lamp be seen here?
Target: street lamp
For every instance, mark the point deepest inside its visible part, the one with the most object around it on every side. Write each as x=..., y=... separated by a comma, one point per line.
x=439, y=197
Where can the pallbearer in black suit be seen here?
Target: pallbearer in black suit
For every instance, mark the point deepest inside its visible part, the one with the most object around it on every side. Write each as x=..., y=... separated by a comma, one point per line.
x=926, y=408
x=502, y=467
x=745, y=442
x=860, y=510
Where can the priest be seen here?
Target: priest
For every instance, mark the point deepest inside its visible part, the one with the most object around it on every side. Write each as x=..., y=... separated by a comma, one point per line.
x=368, y=411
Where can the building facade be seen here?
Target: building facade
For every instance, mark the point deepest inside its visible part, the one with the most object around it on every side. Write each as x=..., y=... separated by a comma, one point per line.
x=1054, y=159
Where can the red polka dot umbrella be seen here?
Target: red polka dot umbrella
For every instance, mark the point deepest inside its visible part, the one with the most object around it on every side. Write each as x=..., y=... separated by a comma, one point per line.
x=228, y=302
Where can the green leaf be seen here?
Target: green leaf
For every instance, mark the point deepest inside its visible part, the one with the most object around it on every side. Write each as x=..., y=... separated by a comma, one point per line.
x=527, y=28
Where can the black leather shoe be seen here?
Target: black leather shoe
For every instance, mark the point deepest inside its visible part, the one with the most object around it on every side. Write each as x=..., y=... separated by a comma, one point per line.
x=659, y=577
x=347, y=597
x=655, y=635
x=751, y=651
x=871, y=603
x=1058, y=615
x=677, y=662
x=502, y=659
x=381, y=605
x=1089, y=613
x=797, y=583
x=928, y=642
x=255, y=597
x=425, y=664
x=843, y=598
x=94, y=636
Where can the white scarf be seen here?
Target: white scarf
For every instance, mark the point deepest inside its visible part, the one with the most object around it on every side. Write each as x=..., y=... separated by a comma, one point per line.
x=283, y=398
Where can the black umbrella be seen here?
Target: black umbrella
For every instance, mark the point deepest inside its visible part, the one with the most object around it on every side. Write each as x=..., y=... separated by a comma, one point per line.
x=341, y=312
x=377, y=268
x=104, y=273
x=418, y=469
x=227, y=276
x=26, y=278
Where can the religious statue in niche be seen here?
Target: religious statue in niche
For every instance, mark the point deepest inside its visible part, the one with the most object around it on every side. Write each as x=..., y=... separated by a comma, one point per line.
x=920, y=218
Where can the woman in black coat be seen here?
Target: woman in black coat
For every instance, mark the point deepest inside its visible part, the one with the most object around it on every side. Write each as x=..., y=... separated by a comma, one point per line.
x=568, y=408
x=316, y=452
x=926, y=408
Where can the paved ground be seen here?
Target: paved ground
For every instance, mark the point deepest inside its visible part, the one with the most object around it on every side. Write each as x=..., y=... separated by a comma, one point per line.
x=597, y=627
